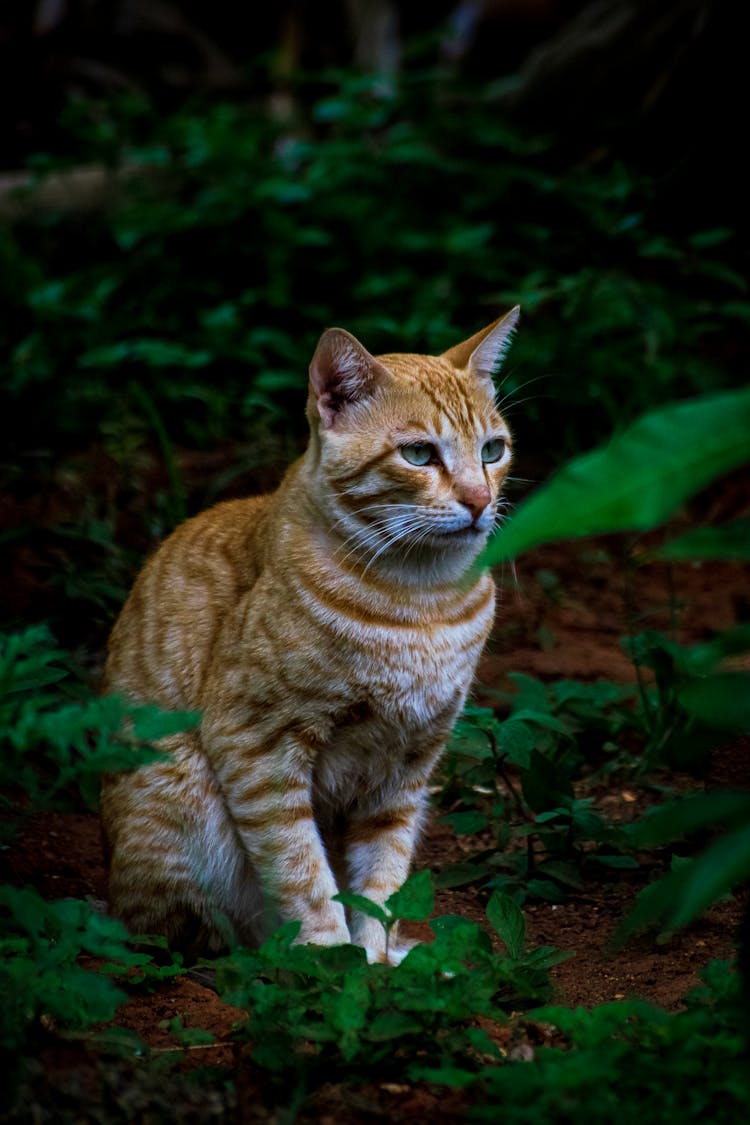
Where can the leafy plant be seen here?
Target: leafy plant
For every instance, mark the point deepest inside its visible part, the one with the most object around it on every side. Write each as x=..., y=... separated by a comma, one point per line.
x=41, y=976
x=55, y=737
x=694, y=701
x=182, y=318
x=628, y=1058
x=317, y=1014
x=694, y=883
x=515, y=778
x=621, y=487
x=203, y=285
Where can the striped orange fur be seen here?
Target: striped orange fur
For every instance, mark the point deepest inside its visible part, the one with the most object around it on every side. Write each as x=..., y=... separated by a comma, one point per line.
x=328, y=633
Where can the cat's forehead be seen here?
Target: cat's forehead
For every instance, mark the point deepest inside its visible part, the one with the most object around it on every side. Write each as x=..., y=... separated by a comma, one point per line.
x=451, y=399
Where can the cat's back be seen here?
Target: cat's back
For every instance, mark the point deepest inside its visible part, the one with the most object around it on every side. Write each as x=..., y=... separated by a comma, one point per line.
x=161, y=643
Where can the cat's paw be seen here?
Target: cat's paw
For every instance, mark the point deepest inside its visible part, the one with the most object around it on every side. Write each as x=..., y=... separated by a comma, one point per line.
x=398, y=951
x=329, y=936
x=377, y=955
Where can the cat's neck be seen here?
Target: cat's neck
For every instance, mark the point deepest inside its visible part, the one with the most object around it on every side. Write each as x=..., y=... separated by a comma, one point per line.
x=307, y=525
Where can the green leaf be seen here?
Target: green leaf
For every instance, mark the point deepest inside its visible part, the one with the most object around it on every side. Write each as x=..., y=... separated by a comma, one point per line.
x=638, y=479
x=392, y=1025
x=703, y=658
x=625, y=862
x=688, y=890
x=349, y=1007
x=542, y=719
x=544, y=784
x=465, y=823
x=461, y=874
x=415, y=900
x=152, y=723
x=545, y=889
x=565, y=873
x=363, y=905
x=552, y=814
x=681, y=818
x=704, y=239
x=152, y=352
x=516, y=742
x=729, y=541
x=506, y=918
x=721, y=701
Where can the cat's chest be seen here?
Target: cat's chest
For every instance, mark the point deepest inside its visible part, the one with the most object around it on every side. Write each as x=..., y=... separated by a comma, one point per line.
x=404, y=690
x=379, y=738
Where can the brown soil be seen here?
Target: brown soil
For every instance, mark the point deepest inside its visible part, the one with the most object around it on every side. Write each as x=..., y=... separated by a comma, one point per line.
x=561, y=616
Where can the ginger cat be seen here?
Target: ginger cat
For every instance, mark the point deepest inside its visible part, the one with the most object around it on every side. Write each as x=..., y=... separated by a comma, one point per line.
x=328, y=633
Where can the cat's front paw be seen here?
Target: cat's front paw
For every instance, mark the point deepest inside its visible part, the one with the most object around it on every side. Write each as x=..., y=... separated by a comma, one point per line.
x=398, y=951
x=371, y=936
x=338, y=936
x=393, y=955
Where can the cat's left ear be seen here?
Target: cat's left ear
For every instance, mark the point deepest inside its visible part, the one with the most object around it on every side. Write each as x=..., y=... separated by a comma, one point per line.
x=342, y=372
x=483, y=352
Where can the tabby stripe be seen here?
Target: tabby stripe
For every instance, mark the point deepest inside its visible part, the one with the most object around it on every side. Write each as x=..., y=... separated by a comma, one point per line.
x=292, y=887
x=362, y=831
x=376, y=886
x=441, y=406
x=362, y=469
x=230, y=739
x=471, y=418
x=272, y=819
x=355, y=502
x=358, y=611
x=265, y=789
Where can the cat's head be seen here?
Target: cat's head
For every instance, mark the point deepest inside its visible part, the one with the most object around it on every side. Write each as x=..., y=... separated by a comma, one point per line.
x=409, y=452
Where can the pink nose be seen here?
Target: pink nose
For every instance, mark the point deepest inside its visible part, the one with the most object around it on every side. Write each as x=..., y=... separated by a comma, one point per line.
x=475, y=498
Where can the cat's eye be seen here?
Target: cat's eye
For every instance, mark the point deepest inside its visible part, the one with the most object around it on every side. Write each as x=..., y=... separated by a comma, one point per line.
x=493, y=450
x=419, y=453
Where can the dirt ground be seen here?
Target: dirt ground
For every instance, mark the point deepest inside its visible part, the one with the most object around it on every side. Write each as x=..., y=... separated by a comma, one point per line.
x=561, y=615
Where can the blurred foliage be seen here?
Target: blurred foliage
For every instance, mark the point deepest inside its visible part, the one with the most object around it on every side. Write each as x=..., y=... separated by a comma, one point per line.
x=40, y=943
x=411, y=215
x=58, y=740
x=638, y=479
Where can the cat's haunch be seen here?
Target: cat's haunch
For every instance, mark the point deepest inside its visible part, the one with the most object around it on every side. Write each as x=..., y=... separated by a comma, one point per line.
x=328, y=633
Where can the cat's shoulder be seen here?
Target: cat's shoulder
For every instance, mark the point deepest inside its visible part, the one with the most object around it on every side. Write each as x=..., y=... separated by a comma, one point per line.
x=227, y=520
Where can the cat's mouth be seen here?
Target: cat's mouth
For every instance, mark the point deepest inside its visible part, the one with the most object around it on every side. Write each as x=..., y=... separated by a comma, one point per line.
x=467, y=534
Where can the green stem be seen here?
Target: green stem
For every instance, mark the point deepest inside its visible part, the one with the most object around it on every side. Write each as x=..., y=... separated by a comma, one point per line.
x=177, y=506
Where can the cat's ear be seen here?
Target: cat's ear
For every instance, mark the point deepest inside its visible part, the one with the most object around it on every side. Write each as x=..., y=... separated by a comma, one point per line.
x=342, y=372
x=483, y=352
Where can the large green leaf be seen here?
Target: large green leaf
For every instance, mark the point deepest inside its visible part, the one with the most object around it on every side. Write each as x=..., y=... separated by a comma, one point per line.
x=678, y=819
x=721, y=701
x=415, y=900
x=690, y=888
x=638, y=479
x=729, y=541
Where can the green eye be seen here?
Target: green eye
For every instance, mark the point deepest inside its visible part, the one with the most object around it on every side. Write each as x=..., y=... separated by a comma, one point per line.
x=419, y=453
x=493, y=450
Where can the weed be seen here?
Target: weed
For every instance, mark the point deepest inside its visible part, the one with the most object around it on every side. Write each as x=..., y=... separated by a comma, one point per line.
x=317, y=1014
x=58, y=738
x=514, y=778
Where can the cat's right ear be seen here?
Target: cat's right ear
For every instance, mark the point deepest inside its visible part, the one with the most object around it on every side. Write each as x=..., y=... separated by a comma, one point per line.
x=342, y=372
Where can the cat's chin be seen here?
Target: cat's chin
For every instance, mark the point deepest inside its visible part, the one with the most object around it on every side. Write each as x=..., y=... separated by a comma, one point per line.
x=459, y=539
x=445, y=554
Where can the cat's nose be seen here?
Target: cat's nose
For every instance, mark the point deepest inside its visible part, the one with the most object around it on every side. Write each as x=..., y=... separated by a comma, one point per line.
x=475, y=498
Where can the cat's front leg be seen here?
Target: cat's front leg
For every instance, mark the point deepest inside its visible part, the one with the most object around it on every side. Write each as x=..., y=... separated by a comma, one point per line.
x=267, y=784
x=380, y=841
